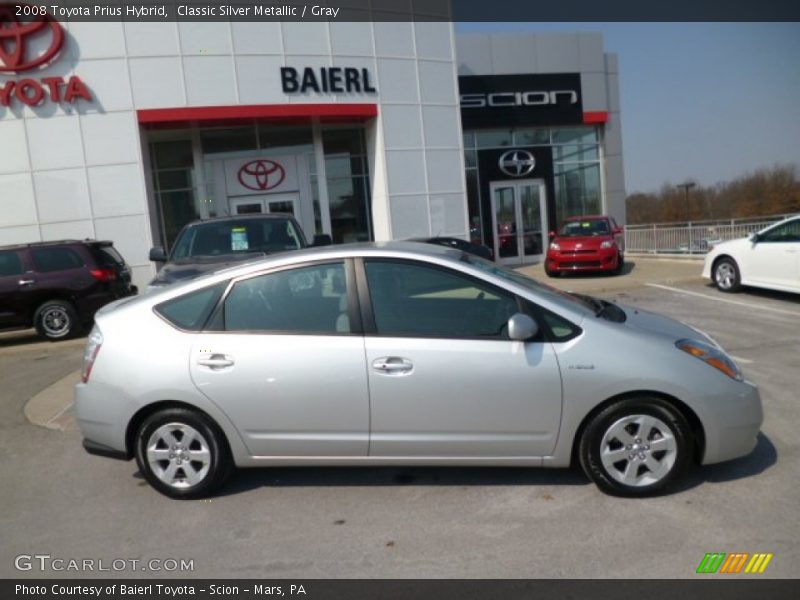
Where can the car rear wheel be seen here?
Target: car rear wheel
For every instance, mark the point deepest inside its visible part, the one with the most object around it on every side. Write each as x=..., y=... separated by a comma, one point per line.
x=726, y=275
x=182, y=453
x=56, y=320
x=636, y=447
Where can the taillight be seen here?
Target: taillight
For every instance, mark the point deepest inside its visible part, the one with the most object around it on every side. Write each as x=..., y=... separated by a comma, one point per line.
x=93, y=343
x=104, y=274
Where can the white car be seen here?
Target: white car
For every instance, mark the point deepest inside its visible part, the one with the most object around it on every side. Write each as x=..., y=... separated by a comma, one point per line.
x=769, y=259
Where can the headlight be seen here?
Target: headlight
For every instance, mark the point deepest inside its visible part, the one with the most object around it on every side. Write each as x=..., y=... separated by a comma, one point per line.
x=607, y=244
x=554, y=246
x=711, y=356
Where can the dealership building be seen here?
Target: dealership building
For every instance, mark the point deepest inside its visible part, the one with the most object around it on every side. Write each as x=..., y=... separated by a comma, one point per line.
x=364, y=131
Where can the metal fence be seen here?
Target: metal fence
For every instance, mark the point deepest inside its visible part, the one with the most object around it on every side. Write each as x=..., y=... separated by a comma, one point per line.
x=690, y=238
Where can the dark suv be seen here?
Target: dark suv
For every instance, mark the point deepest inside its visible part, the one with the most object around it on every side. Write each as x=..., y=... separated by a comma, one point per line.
x=58, y=286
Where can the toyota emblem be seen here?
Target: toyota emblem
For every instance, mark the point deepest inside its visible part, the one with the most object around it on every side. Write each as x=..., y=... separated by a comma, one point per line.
x=517, y=163
x=16, y=37
x=261, y=175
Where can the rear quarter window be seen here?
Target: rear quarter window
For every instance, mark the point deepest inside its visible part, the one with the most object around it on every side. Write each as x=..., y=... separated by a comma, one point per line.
x=191, y=311
x=108, y=256
x=48, y=260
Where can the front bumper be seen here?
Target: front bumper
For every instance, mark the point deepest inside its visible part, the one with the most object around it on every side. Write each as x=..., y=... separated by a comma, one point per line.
x=583, y=260
x=732, y=423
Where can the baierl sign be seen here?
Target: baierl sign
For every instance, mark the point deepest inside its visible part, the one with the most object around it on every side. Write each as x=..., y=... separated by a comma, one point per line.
x=29, y=41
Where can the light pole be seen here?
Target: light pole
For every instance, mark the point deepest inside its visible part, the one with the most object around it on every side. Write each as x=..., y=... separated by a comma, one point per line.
x=686, y=187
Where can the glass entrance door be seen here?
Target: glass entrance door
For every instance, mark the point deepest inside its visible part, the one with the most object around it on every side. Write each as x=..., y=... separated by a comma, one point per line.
x=519, y=218
x=272, y=203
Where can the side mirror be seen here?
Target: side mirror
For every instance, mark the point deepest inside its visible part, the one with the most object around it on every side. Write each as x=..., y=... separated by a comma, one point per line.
x=618, y=230
x=322, y=239
x=753, y=237
x=521, y=327
x=552, y=234
x=158, y=254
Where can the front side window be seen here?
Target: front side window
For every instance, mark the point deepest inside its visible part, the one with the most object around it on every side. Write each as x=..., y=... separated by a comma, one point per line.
x=788, y=232
x=412, y=299
x=305, y=300
x=48, y=260
x=10, y=264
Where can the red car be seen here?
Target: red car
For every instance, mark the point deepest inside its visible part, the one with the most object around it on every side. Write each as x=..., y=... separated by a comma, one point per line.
x=587, y=243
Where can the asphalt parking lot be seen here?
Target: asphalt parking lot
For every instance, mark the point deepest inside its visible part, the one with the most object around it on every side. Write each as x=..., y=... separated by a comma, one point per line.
x=426, y=522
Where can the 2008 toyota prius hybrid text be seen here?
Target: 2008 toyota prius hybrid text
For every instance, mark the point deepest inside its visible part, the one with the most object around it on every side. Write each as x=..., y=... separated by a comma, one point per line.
x=403, y=354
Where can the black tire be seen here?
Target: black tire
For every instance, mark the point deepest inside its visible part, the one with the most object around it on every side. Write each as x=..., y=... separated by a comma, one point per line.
x=57, y=320
x=219, y=463
x=671, y=463
x=726, y=276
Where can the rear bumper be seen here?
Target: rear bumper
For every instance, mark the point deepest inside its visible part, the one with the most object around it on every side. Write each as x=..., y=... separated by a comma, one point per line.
x=601, y=260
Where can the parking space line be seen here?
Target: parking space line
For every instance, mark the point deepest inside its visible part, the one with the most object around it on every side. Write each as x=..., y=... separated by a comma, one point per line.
x=792, y=313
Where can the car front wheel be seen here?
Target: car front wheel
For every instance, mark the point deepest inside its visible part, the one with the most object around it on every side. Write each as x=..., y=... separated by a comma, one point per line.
x=182, y=453
x=636, y=447
x=726, y=275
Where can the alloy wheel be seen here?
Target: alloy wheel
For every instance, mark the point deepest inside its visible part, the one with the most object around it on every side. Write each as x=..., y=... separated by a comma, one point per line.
x=178, y=455
x=638, y=450
x=725, y=275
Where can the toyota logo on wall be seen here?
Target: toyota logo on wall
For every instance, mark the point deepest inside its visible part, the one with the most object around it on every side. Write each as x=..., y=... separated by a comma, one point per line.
x=517, y=163
x=18, y=36
x=261, y=175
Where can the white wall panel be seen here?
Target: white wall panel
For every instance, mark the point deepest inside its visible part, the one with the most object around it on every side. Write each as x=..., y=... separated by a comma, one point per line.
x=62, y=195
x=13, y=147
x=116, y=190
x=17, y=200
x=55, y=143
x=71, y=230
x=111, y=138
x=157, y=82
x=209, y=80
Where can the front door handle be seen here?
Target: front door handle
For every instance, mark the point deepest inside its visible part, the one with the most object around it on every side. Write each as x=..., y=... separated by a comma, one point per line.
x=215, y=361
x=26, y=281
x=392, y=365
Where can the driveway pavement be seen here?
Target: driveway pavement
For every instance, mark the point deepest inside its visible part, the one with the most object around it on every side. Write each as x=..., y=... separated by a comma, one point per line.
x=419, y=522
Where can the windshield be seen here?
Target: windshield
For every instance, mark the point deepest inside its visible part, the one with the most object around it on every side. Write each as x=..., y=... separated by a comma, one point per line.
x=587, y=227
x=526, y=282
x=245, y=236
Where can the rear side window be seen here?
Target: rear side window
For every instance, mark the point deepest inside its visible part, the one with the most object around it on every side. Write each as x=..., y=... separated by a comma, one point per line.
x=108, y=256
x=191, y=311
x=10, y=264
x=48, y=260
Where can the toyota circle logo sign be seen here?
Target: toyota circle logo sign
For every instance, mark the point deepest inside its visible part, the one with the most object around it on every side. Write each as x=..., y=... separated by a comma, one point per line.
x=262, y=174
x=517, y=163
x=29, y=40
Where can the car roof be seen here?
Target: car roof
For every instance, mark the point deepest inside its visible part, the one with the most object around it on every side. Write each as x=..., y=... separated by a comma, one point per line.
x=87, y=241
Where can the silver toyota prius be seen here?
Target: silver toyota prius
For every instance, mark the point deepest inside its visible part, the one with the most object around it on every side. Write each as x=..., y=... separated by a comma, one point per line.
x=403, y=354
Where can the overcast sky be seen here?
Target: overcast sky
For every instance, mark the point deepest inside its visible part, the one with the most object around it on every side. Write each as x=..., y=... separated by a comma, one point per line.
x=701, y=101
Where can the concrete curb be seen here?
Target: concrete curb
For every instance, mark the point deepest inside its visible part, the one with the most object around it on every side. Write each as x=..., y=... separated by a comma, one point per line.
x=52, y=407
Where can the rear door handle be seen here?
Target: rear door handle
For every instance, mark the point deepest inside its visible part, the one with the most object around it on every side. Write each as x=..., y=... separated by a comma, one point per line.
x=216, y=361
x=392, y=365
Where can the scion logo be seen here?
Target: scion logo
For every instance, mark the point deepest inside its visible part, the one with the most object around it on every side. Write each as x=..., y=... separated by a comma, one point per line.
x=17, y=38
x=261, y=175
x=27, y=44
x=517, y=163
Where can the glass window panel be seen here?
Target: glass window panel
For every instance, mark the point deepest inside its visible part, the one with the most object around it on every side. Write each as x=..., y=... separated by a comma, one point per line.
x=178, y=209
x=270, y=136
x=493, y=138
x=471, y=158
x=575, y=135
x=350, y=220
x=338, y=141
x=531, y=137
x=306, y=300
x=474, y=206
x=577, y=190
x=469, y=139
x=173, y=155
x=421, y=301
x=239, y=139
x=343, y=165
x=175, y=179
